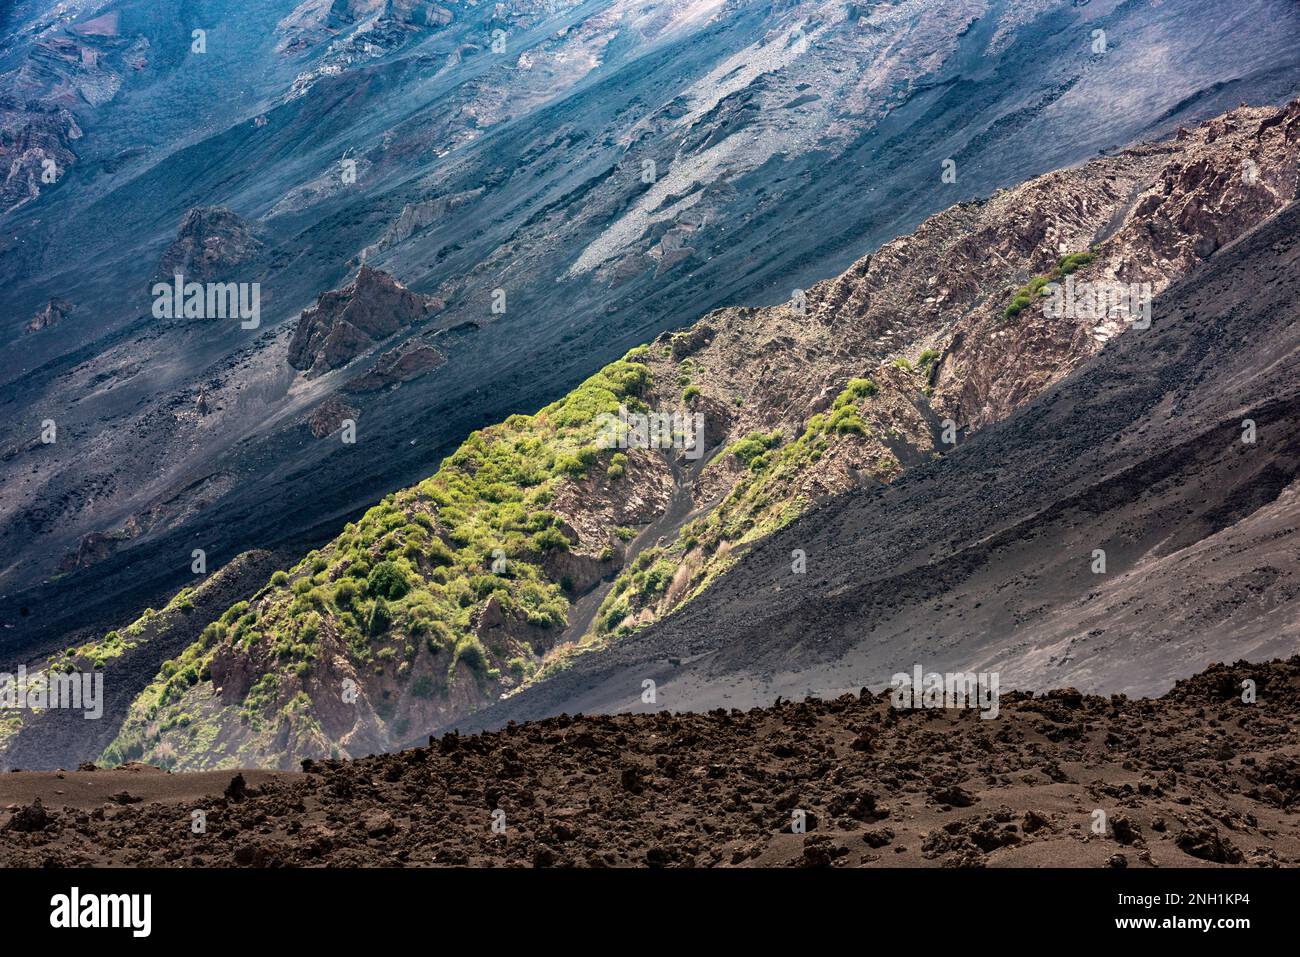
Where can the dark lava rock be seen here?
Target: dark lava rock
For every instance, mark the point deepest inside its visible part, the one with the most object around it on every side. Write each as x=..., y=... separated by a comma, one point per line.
x=953, y=796
x=879, y=837
x=1125, y=831
x=237, y=789
x=31, y=818
x=1206, y=844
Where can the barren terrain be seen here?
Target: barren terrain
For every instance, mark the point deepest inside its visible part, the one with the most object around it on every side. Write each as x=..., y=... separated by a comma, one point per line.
x=1195, y=778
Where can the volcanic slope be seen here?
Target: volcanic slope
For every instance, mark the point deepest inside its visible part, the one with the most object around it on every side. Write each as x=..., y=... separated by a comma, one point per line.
x=781, y=139
x=1174, y=453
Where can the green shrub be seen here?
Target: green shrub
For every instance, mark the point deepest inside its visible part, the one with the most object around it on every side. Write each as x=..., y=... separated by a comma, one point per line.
x=1018, y=305
x=856, y=390
x=388, y=580
x=1073, y=261
x=470, y=650
x=754, y=445
x=657, y=578
x=1027, y=294
x=437, y=636
x=237, y=609
x=576, y=465
x=548, y=540
x=345, y=593
x=617, y=466
x=612, y=615
x=846, y=421
x=380, y=617
x=438, y=554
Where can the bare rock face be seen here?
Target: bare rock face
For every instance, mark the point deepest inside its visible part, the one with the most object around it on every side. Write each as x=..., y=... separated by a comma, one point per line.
x=494, y=625
x=209, y=242
x=55, y=311
x=346, y=322
x=36, y=139
x=93, y=547
x=1220, y=180
x=594, y=506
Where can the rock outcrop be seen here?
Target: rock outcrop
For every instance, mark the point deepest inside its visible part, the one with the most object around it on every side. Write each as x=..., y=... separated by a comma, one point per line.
x=394, y=368
x=346, y=322
x=55, y=311
x=416, y=216
x=211, y=241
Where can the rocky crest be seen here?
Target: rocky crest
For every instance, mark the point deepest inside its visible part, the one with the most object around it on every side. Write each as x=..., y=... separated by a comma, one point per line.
x=1130, y=525
x=925, y=321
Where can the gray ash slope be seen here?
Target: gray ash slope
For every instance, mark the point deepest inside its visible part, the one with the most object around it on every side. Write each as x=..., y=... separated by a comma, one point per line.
x=983, y=559
x=788, y=139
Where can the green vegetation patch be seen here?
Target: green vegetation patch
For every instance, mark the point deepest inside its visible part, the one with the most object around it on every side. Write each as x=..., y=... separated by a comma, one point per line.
x=1030, y=292
x=412, y=572
x=759, y=504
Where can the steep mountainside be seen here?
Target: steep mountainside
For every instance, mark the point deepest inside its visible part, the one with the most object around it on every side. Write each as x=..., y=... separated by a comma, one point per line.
x=492, y=575
x=566, y=179
x=1133, y=523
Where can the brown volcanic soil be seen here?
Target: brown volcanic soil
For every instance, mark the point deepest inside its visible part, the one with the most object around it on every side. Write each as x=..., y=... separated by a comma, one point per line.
x=1193, y=778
